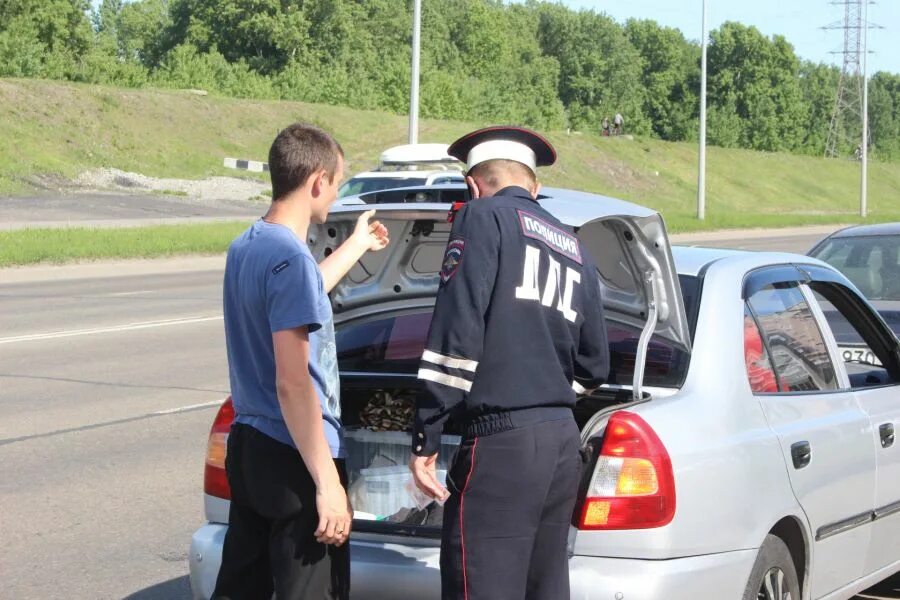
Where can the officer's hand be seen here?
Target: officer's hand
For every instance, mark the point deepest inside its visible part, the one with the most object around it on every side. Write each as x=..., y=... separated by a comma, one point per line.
x=371, y=236
x=335, y=515
x=424, y=470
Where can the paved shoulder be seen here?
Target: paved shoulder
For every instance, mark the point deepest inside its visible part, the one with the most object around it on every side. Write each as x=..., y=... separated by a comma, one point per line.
x=789, y=239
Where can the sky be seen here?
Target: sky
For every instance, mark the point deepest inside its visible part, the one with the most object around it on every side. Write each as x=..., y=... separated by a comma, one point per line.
x=798, y=20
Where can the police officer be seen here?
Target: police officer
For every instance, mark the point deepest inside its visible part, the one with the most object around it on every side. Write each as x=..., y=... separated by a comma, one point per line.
x=517, y=328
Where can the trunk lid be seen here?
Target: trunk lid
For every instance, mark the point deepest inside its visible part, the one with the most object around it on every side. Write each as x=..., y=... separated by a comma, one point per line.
x=628, y=242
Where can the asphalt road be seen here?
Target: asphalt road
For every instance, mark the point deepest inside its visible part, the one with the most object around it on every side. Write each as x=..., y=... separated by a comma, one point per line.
x=101, y=483
x=109, y=379
x=115, y=209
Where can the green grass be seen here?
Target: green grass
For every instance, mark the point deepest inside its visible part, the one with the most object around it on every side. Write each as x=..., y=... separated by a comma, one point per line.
x=31, y=246
x=63, y=128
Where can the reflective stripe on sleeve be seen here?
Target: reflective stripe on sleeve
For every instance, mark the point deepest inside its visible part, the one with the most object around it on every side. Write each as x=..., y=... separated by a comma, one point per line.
x=444, y=379
x=449, y=361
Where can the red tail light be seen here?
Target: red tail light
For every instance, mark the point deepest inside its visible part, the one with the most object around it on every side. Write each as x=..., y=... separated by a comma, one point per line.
x=215, y=482
x=633, y=484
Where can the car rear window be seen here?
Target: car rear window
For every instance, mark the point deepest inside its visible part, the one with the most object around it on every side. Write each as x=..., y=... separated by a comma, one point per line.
x=872, y=263
x=394, y=344
x=373, y=184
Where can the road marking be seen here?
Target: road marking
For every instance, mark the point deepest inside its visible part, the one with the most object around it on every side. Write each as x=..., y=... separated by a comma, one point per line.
x=112, y=329
x=189, y=407
x=122, y=421
x=118, y=294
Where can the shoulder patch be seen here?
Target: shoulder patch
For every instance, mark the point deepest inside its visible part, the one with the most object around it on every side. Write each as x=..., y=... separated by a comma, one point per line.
x=452, y=258
x=280, y=267
x=561, y=242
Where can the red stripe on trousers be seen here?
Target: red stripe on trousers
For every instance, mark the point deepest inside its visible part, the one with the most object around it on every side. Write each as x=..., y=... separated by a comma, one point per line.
x=462, y=539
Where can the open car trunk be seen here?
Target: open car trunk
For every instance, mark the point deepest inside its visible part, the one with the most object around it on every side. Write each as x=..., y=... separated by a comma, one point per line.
x=377, y=416
x=383, y=311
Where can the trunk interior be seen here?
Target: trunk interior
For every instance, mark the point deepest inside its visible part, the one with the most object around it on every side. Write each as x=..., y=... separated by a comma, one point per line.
x=377, y=413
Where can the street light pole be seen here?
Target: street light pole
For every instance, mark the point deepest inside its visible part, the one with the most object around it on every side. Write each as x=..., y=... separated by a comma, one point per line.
x=414, y=82
x=701, y=176
x=863, y=200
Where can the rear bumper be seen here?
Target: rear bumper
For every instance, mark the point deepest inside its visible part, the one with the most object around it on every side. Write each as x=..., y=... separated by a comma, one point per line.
x=205, y=559
x=384, y=571
x=722, y=576
x=379, y=571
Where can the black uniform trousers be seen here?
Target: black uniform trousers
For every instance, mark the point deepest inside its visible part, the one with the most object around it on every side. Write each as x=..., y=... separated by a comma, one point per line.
x=270, y=544
x=507, y=520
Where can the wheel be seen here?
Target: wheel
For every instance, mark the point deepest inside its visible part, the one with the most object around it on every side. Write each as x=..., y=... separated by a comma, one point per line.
x=774, y=576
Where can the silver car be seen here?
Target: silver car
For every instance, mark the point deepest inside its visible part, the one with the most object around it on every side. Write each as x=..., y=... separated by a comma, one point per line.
x=733, y=454
x=869, y=255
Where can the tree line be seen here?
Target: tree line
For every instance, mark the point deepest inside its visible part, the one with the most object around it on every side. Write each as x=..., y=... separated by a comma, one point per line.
x=536, y=63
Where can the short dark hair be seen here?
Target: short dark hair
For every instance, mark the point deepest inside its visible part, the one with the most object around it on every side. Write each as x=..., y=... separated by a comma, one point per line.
x=298, y=151
x=492, y=171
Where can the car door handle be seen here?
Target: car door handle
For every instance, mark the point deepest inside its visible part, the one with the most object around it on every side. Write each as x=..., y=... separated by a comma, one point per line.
x=801, y=454
x=887, y=435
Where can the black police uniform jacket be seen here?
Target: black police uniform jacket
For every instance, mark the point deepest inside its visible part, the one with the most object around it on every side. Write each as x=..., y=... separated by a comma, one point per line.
x=518, y=323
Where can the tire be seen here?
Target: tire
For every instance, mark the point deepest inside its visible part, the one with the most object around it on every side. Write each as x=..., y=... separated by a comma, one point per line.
x=774, y=576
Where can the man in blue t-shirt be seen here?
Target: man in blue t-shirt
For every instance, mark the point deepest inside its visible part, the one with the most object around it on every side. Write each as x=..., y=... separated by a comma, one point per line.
x=289, y=517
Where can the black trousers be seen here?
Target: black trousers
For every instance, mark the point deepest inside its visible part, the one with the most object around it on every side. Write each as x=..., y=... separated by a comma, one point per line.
x=270, y=545
x=507, y=520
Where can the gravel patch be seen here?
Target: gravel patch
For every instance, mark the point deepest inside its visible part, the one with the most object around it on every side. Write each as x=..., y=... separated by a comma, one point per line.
x=210, y=191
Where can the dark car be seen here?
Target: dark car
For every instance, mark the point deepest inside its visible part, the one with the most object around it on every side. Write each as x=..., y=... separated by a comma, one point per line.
x=869, y=256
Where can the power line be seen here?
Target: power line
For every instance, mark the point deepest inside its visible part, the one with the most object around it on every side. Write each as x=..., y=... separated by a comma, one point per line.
x=845, y=129
x=850, y=117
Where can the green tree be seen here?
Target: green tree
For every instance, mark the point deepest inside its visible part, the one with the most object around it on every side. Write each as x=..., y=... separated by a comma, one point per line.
x=142, y=31
x=264, y=33
x=818, y=85
x=884, y=114
x=756, y=79
x=43, y=38
x=670, y=77
x=600, y=70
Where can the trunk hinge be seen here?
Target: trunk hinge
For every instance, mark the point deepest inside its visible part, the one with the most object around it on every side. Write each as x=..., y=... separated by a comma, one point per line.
x=651, y=289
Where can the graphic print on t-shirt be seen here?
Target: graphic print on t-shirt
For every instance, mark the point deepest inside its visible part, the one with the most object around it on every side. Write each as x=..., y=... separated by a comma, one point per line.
x=328, y=365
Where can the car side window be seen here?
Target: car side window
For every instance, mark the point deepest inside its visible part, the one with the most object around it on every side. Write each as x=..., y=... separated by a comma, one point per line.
x=792, y=344
x=857, y=340
x=872, y=263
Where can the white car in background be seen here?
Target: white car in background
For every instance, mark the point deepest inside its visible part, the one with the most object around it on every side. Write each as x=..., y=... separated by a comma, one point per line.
x=733, y=455
x=409, y=165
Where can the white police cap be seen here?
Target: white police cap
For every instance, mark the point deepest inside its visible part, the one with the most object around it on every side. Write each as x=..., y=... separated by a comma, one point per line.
x=507, y=143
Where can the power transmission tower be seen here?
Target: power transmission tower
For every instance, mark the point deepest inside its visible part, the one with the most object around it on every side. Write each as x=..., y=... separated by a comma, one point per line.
x=847, y=117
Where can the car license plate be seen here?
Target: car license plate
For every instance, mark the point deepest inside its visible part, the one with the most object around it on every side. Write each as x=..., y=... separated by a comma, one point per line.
x=860, y=355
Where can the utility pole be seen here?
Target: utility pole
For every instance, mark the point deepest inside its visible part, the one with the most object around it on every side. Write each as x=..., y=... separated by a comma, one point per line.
x=414, y=80
x=864, y=176
x=701, y=175
x=850, y=117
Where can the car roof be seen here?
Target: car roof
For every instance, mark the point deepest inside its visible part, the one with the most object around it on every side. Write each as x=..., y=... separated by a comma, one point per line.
x=692, y=260
x=868, y=230
x=575, y=208
x=572, y=207
x=424, y=174
x=417, y=153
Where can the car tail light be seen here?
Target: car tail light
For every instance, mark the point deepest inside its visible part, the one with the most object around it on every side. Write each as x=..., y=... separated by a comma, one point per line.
x=759, y=369
x=215, y=481
x=633, y=484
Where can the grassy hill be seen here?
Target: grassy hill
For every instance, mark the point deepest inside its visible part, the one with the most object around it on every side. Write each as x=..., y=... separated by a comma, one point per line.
x=61, y=129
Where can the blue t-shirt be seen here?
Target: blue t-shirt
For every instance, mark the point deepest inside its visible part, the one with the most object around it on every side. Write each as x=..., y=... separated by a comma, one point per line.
x=273, y=283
